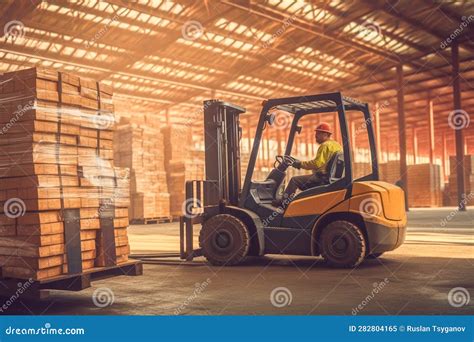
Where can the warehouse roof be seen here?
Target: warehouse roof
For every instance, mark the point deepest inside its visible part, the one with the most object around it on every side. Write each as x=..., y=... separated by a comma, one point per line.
x=165, y=53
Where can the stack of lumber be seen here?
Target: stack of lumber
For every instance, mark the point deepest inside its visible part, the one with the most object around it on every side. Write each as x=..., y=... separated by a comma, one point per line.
x=58, y=183
x=361, y=169
x=424, y=185
x=451, y=189
x=390, y=171
x=183, y=163
x=140, y=148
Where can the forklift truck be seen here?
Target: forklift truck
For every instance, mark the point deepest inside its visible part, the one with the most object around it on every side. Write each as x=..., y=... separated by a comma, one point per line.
x=345, y=220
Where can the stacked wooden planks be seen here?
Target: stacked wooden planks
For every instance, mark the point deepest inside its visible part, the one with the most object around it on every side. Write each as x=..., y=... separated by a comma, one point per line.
x=390, y=171
x=451, y=190
x=424, y=185
x=140, y=148
x=63, y=204
x=183, y=163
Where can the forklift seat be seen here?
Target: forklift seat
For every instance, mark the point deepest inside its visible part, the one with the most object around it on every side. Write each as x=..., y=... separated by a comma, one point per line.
x=335, y=168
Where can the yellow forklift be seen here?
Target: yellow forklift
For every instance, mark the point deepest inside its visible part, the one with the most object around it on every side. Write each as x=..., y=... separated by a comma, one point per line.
x=345, y=220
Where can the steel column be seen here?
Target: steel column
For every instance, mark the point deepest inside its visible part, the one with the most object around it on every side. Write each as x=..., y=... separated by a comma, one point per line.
x=377, y=132
x=415, y=144
x=402, y=139
x=431, y=135
x=458, y=129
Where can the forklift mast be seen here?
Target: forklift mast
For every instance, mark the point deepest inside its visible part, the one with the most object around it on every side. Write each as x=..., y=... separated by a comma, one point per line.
x=222, y=149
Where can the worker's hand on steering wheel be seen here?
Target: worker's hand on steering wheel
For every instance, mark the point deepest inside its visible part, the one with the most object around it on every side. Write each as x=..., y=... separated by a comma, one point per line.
x=291, y=161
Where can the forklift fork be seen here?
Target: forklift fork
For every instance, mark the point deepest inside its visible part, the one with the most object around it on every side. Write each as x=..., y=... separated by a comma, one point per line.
x=198, y=194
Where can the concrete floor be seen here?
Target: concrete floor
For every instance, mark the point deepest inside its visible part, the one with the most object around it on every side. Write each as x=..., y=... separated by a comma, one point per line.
x=416, y=278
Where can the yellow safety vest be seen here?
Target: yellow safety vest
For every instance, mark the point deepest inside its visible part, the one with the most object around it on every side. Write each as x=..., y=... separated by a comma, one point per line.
x=325, y=151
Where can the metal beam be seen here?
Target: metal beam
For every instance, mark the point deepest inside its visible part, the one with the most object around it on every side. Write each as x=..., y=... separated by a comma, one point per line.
x=458, y=114
x=402, y=139
x=312, y=29
x=377, y=132
x=431, y=147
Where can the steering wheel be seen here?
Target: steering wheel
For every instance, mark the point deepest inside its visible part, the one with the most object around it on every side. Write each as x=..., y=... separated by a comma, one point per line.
x=283, y=162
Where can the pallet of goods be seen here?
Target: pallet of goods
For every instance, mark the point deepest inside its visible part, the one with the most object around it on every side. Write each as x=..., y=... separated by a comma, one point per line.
x=390, y=171
x=183, y=163
x=140, y=148
x=63, y=203
x=424, y=185
x=451, y=189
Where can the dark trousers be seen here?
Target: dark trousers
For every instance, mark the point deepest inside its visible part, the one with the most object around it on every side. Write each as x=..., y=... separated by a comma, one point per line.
x=301, y=182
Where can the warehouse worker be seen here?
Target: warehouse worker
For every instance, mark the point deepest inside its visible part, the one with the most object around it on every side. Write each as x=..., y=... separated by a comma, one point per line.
x=327, y=148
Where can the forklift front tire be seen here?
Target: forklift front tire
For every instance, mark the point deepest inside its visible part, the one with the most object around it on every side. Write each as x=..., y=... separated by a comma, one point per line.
x=224, y=240
x=343, y=244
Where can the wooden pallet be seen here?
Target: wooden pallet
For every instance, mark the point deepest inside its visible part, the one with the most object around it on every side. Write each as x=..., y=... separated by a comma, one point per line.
x=152, y=220
x=71, y=282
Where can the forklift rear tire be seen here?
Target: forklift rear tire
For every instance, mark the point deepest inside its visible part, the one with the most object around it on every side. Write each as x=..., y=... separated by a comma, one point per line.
x=224, y=240
x=343, y=244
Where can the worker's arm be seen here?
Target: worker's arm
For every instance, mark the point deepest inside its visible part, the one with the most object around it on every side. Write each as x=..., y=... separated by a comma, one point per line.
x=318, y=163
